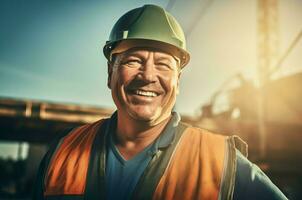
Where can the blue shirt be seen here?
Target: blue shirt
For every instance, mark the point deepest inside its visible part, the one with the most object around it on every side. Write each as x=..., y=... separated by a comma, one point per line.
x=251, y=183
x=122, y=175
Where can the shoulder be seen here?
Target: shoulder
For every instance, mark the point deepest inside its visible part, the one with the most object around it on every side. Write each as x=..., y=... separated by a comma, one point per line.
x=206, y=139
x=208, y=145
x=66, y=141
x=75, y=137
x=252, y=183
x=202, y=133
x=83, y=131
x=70, y=134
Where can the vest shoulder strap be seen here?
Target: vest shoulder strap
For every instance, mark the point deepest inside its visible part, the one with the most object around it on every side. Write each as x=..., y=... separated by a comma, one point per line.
x=68, y=167
x=39, y=183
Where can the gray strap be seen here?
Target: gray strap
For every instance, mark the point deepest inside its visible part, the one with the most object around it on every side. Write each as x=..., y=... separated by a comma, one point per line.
x=240, y=145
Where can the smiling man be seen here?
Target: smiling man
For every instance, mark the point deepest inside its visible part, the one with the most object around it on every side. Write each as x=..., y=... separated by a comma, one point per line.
x=144, y=151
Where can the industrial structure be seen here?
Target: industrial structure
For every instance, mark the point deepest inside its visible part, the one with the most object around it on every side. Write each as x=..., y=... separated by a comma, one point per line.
x=36, y=124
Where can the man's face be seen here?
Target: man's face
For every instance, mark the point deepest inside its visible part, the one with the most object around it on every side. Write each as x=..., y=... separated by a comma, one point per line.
x=144, y=84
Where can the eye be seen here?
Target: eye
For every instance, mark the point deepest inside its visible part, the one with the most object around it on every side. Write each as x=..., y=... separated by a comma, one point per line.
x=163, y=66
x=132, y=63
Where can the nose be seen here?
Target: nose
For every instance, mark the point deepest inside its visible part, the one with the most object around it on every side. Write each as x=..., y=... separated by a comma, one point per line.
x=147, y=72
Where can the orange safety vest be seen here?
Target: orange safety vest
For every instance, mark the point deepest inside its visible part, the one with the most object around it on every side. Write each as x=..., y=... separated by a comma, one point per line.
x=198, y=165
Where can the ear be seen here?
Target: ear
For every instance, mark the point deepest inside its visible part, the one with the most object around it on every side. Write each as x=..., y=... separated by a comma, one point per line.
x=178, y=79
x=109, y=70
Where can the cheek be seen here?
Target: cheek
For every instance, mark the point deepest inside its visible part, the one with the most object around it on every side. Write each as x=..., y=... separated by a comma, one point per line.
x=125, y=76
x=169, y=83
x=122, y=77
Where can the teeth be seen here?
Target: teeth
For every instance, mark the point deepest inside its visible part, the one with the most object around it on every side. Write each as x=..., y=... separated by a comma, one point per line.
x=145, y=93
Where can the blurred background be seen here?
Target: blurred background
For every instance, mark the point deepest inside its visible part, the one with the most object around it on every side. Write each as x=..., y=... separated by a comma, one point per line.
x=244, y=78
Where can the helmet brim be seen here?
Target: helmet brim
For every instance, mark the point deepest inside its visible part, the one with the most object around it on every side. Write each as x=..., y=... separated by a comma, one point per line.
x=124, y=45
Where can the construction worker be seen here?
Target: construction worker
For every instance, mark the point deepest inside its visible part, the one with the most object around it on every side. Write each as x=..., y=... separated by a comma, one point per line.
x=144, y=151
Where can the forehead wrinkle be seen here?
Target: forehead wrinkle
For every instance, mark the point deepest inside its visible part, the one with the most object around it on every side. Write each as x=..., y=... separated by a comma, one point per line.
x=135, y=54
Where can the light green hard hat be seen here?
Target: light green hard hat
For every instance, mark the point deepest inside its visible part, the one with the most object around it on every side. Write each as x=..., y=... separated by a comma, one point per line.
x=148, y=26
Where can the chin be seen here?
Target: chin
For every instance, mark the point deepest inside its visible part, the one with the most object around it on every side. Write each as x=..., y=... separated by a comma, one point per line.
x=144, y=116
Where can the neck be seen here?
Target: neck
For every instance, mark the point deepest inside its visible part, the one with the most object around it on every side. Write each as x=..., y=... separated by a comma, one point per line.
x=133, y=136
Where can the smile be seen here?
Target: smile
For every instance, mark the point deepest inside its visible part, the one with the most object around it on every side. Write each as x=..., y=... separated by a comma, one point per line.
x=145, y=93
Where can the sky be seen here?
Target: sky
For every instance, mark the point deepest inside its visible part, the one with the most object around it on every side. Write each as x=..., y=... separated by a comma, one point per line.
x=52, y=50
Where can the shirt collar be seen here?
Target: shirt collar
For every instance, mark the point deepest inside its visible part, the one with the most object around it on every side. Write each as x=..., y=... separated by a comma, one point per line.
x=166, y=137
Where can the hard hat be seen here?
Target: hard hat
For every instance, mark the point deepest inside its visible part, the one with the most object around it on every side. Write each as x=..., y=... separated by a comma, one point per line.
x=148, y=26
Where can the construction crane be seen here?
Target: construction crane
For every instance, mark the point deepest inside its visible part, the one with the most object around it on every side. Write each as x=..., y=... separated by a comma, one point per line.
x=267, y=26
